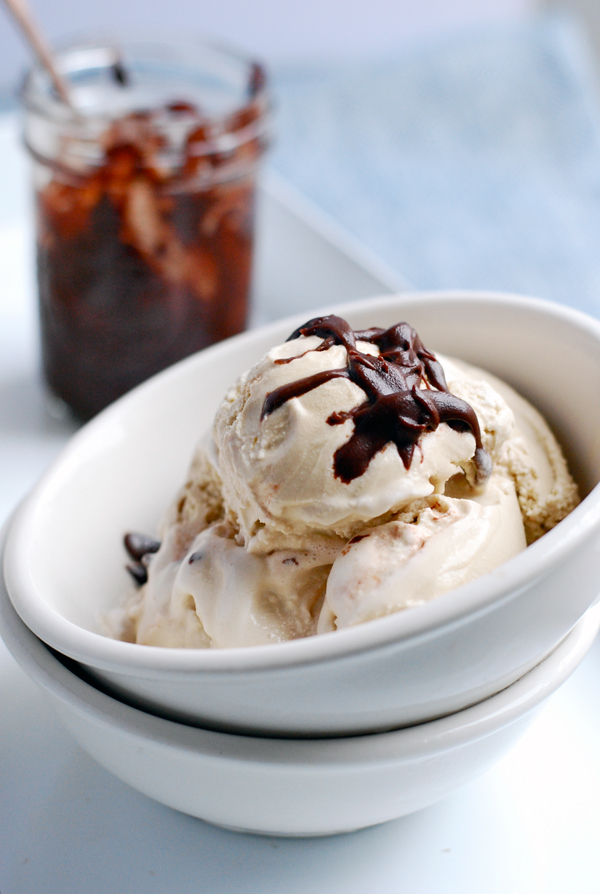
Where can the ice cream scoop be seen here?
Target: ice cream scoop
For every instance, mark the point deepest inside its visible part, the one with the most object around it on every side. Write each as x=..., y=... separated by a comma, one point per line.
x=350, y=475
x=320, y=435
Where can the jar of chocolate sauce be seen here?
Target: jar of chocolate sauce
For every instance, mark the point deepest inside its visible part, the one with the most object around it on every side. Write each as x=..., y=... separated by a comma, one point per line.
x=145, y=209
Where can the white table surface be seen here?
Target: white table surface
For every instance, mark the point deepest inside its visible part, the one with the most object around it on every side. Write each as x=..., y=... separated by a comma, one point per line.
x=532, y=824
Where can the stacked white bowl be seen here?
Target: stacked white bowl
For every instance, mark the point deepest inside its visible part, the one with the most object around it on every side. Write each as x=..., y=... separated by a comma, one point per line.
x=332, y=732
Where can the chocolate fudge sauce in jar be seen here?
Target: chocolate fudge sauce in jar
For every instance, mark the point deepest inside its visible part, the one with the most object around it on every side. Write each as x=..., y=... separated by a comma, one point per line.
x=145, y=208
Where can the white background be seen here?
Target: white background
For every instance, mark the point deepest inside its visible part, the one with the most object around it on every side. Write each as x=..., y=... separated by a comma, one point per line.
x=270, y=29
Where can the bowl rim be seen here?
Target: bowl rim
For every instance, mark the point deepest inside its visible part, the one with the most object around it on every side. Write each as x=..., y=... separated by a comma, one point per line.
x=499, y=711
x=422, y=622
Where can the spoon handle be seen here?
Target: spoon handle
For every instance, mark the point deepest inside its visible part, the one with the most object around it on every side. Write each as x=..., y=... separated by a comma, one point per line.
x=41, y=48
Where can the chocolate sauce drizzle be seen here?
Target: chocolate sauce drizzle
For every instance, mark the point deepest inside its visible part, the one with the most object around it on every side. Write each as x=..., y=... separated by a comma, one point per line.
x=396, y=408
x=139, y=546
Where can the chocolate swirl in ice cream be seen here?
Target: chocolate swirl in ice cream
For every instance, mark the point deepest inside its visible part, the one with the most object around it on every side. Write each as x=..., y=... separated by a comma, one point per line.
x=397, y=408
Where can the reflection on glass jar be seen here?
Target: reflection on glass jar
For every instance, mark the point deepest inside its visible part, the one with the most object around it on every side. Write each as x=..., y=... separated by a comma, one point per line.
x=145, y=208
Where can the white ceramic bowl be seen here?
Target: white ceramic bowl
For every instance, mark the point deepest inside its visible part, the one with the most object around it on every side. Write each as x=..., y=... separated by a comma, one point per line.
x=64, y=559
x=292, y=786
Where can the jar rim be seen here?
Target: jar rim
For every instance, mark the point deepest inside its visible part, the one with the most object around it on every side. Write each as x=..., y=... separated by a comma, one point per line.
x=37, y=94
x=211, y=98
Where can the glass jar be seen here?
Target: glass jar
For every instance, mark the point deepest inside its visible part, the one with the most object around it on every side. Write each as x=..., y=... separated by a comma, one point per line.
x=145, y=209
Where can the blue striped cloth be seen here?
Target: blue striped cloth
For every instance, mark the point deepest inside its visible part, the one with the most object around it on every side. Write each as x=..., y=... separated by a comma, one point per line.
x=471, y=163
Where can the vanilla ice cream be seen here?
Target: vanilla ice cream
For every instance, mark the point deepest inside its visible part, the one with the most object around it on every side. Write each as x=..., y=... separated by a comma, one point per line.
x=348, y=476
